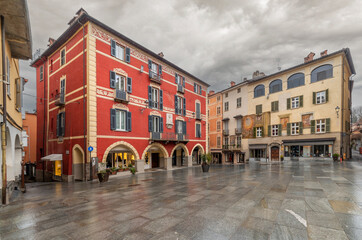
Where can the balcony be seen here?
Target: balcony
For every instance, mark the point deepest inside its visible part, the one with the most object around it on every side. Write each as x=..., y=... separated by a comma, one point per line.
x=235, y=147
x=154, y=77
x=225, y=147
x=237, y=131
x=60, y=99
x=169, y=137
x=198, y=116
x=121, y=96
x=180, y=89
x=225, y=132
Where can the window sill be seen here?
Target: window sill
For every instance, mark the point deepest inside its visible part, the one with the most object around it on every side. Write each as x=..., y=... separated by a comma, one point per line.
x=320, y=103
x=118, y=130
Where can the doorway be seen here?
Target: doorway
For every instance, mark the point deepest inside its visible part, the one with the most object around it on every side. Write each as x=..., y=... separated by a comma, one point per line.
x=275, y=153
x=78, y=165
x=155, y=160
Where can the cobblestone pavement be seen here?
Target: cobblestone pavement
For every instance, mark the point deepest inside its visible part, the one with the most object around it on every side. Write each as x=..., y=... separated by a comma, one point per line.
x=293, y=200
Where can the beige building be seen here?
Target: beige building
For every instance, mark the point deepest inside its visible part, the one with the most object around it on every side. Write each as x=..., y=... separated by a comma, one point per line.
x=15, y=27
x=302, y=112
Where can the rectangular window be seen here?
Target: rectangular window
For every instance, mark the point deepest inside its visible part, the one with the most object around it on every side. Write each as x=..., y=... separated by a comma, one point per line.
x=119, y=52
x=8, y=77
x=155, y=92
x=120, y=83
x=238, y=102
x=226, y=95
x=198, y=130
x=62, y=57
x=239, y=90
x=321, y=97
x=238, y=141
x=259, y=109
x=41, y=69
x=198, y=111
x=226, y=141
x=275, y=106
x=321, y=126
x=121, y=120
x=218, y=141
x=295, y=128
x=275, y=130
x=61, y=124
x=156, y=124
x=179, y=106
x=218, y=110
x=226, y=107
x=259, y=132
x=295, y=102
x=18, y=94
x=218, y=126
x=218, y=98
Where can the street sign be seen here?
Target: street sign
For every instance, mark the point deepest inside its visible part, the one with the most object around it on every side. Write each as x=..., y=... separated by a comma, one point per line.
x=90, y=148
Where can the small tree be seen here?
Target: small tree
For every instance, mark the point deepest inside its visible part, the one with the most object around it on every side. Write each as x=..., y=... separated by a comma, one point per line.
x=206, y=158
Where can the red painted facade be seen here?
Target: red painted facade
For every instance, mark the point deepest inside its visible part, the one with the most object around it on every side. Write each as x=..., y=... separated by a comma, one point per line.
x=98, y=54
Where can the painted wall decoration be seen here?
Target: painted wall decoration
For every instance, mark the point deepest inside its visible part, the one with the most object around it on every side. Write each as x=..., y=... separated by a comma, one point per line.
x=306, y=120
x=283, y=122
x=248, y=126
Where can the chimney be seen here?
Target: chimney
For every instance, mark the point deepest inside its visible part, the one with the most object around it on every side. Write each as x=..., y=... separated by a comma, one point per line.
x=232, y=83
x=211, y=92
x=309, y=57
x=258, y=74
x=324, y=53
x=245, y=79
x=50, y=41
x=161, y=54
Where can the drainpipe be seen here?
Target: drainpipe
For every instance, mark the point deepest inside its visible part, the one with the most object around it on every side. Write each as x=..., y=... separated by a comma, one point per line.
x=84, y=114
x=3, y=124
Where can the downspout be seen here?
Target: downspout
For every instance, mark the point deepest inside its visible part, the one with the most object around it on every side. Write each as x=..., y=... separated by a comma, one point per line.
x=84, y=112
x=3, y=124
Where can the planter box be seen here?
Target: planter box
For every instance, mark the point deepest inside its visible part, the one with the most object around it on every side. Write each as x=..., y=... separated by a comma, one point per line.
x=205, y=167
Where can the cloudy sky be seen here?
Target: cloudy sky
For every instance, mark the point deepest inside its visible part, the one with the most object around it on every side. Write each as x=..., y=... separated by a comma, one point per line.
x=218, y=41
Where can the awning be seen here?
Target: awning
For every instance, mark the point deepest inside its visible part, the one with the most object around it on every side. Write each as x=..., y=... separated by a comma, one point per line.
x=238, y=116
x=257, y=146
x=312, y=141
x=226, y=119
x=53, y=157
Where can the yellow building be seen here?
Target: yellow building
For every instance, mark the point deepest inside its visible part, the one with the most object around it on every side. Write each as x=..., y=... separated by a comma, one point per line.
x=15, y=39
x=302, y=112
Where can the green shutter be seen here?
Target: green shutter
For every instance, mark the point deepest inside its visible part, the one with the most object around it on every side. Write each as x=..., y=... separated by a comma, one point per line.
x=314, y=97
x=301, y=101
x=276, y=107
x=312, y=126
x=300, y=127
x=269, y=131
x=288, y=129
x=254, y=132
x=288, y=103
x=272, y=106
x=327, y=95
x=328, y=125
x=262, y=131
x=280, y=129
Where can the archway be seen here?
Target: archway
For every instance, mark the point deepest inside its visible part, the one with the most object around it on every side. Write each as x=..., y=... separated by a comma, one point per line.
x=120, y=154
x=196, y=152
x=155, y=156
x=9, y=157
x=179, y=154
x=78, y=162
x=17, y=156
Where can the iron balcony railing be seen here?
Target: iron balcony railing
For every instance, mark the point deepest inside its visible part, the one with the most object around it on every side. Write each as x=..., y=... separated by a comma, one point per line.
x=235, y=147
x=155, y=77
x=198, y=115
x=180, y=88
x=169, y=137
x=60, y=99
x=237, y=130
x=120, y=96
x=225, y=132
x=225, y=147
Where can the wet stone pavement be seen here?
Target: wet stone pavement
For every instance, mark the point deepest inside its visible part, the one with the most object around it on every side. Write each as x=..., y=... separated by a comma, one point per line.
x=293, y=200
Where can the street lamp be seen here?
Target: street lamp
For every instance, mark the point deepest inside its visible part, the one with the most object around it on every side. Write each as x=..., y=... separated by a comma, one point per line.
x=337, y=111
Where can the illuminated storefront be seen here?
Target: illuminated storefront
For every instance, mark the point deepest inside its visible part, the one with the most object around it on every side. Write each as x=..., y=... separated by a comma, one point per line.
x=308, y=148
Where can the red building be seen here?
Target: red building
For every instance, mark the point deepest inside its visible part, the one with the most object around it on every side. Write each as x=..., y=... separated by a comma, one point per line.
x=134, y=106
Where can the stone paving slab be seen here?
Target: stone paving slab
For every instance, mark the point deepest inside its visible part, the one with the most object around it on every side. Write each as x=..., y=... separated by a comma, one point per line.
x=291, y=200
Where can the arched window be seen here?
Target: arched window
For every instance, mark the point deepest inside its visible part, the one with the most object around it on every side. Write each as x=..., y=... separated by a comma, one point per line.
x=259, y=91
x=322, y=72
x=276, y=86
x=296, y=80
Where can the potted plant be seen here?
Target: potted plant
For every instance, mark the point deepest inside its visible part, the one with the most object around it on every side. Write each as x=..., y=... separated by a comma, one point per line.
x=103, y=176
x=281, y=157
x=206, y=160
x=335, y=156
x=132, y=170
x=120, y=169
x=130, y=165
x=114, y=170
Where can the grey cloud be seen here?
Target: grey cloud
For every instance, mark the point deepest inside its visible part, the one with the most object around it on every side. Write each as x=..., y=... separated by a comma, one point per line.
x=218, y=41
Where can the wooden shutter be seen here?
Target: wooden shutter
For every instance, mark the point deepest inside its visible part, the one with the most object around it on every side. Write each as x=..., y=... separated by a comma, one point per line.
x=113, y=119
x=183, y=81
x=254, y=132
x=327, y=95
x=200, y=90
x=63, y=127
x=288, y=129
x=58, y=126
x=159, y=69
x=112, y=77
x=312, y=126
x=129, y=85
x=128, y=55
x=184, y=106
x=161, y=100
x=301, y=101
x=288, y=103
x=176, y=104
x=272, y=106
x=161, y=124
x=280, y=129
x=184, y=131
x=300, y=127
x=262, y=131
x=150, y=96
x=176, y=121
x=150, y=122
x=176, y=78
x=269, y=130
x=328, y=125
x=129, y=121
x=113, y=48
x=314, y=97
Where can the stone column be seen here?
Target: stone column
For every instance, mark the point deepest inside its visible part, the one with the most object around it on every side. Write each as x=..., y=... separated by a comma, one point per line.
x=140, y=165
x=168, y=163
x=188, y=161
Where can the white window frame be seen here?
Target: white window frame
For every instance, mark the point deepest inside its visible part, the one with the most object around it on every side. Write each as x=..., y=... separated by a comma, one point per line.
x=156, y=124
x=154, y=68
x=294, y=129
x=275, y=130
x=218, y=110
x=226, y=141
x=321, y=97
x=120, y=50
x=119, y=80
x=180, y=105
x=259, y=132
x=155, y=97
x=226, y=106
x=179, y=127
x=121, y=120
x=196, y=130
x=320, y=126
x=41, y=69
x=63, y=57
x=218, y=126
x=238, y=140
x=295, y=102
x=238, y=102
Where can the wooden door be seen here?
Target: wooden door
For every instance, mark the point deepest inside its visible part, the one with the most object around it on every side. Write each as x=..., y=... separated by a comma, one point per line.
x=275, y=153
x=155, y=160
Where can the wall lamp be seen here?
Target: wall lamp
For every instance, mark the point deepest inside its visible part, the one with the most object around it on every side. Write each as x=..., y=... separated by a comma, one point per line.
x=337, y=111
x=142, y=109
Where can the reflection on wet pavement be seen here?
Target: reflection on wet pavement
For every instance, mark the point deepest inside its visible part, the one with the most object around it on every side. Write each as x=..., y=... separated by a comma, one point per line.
x=293, y=200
